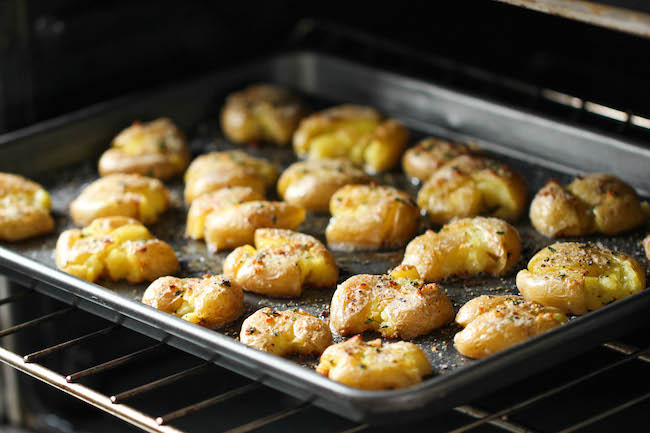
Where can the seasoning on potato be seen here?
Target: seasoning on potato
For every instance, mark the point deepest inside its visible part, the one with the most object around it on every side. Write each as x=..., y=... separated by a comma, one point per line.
x=25, y=210
x=428, y=155
x=580, y=277
x=282, y=263
x=115, y=248
x=465, y=247
x=211, y=301
x=157, y=149
x=374, y=365
x=282, y=333
x=358, y=133
x=482, y=304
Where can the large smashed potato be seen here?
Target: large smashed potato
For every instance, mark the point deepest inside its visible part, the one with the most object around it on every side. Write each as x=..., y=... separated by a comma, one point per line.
x=211, y=301
x=285, y=332
x=130, y=195
x=374, y=365
x=503, y=323
x=261, y=113
x=465, y=247
x=577, y=277
x=312, y=183
x=216, y=170
x=24, y=208
x=428, y=155
x=592, y=203
x=399, y=305
x=282, y=263
x=355, y=132
x=370, y=217
x=471, y=185
x=115, y=248
x=157, y=149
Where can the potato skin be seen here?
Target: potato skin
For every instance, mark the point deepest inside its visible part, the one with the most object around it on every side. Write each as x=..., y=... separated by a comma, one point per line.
x=261, y=113
x=282, y=263
x=577, y=278
x=428, y=155
x=465, y=247
x=477, y=306
x=370, y=217
x=25, y=209
x=312, y=183
x=355, y=132
x=394, y=305
x=373, y=365
x=285, y=332
x=646, y=245
x=157, y=149
x=211, y=301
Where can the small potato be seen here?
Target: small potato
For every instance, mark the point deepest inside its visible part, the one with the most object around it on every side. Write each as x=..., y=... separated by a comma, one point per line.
x=471, y=185
x=399, y=305
x=556, y=212
x=508, y=322
x=24, y=208
x=422, y=160
x=261, y=113
x=370, y=217
x=114, y=248
x=210, y=301
x=285, y=332
x=216, y=170
x=646, y=245
x=477, y=306
x=282, y=263
x=374, y=365
x=577, y=277
x=312, y=183
x=465, y=247
x=130, y=195
x=157, y=149
x=355, y=132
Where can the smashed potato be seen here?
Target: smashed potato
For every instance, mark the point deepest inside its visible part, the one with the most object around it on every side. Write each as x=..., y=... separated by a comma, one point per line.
x=130, y=195
x=646, y=245
x=428, y=155
x=503, y=324
x=282, y=263
x=466, y=247
x=216, y=170
x=477, y=306
x=374, y=365
x=355, y=132
x=370, y=217
x=471, y=185
x=211, y=301
x=577, y=277
x=592, y=203
x=261, y=113
x=24, y=208
x=312, y=183
x=157, y=149
x=115, y=248
x=399, y=305
x=285, y=332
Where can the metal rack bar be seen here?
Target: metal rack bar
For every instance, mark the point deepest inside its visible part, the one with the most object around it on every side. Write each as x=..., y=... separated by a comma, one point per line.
x=16, y=297
x=47, y=351
x=626, y=349
x=360, y=427
x=47, y=317
x=261, y=422
x=490, y=418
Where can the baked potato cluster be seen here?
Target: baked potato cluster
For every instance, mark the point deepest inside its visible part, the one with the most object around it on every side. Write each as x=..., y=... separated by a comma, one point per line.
x=428, y=155
x=24, y=208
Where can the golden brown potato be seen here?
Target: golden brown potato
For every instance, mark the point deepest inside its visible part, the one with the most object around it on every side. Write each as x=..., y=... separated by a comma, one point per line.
x=216, y=170
x=211, y=301
x=355, y=132
x=465, y=247
x=312, y=183
x=507, y=323
x=285, y=332
x=130, y=195
x=646, y=245
x=24, y=208
x=115, y=248
x=428, y=155
x=374, y=365
x=592, y=203
x=261, y=113
x=370, y=217
x=471, y=185
x=157, y=149
x=399, y=305
x=282, y=263
x=577, y=277
x=477, y=306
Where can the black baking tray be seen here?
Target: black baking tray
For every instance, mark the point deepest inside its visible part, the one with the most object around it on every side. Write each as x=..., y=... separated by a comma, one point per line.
x=62, y=154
